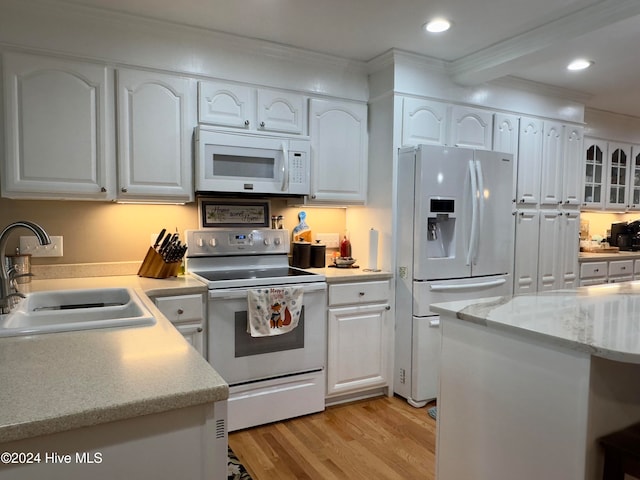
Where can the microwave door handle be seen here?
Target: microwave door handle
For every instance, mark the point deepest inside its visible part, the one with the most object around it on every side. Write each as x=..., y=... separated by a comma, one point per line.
x=285, y=168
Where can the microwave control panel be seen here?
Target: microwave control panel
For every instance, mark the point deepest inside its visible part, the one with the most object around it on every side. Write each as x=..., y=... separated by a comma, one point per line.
x=298, y=167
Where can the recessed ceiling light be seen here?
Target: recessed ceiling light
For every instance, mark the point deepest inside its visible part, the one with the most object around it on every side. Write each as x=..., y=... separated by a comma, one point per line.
x=437, y=25
x=579, y=64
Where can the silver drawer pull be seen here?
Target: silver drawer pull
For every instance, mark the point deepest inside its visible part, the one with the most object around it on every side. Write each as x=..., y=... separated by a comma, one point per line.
x=180, y=311
x=361, y=294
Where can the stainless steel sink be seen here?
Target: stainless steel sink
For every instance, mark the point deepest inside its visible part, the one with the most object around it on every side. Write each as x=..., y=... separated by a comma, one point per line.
x=69, y=310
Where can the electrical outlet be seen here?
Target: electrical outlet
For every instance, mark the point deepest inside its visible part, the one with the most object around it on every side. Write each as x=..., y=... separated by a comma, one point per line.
x=30, y=245
x=331, y=240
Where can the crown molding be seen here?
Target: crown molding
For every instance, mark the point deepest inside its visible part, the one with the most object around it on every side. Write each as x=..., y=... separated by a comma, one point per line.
x=545, y=89
x=150, y=25
x=502, y=58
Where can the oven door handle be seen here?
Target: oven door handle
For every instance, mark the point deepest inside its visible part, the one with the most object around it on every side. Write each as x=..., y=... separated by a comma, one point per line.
x=236, y=293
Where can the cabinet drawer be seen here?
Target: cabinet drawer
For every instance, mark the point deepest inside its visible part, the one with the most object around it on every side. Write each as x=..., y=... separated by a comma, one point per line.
x=593, y=269
x=357, y=293
x=621, y=267
x=636, y=267
x=182, y=307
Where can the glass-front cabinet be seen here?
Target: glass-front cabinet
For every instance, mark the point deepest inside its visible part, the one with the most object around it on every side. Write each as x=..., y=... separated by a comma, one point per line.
x=611, y=176
x=594, y=178
x=634, y=179
x=618, y=176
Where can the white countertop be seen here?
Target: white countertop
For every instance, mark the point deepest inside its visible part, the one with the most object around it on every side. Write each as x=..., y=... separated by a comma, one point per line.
x=62, y=381
x=603, y=320
x=337, y=275
x=593, y=257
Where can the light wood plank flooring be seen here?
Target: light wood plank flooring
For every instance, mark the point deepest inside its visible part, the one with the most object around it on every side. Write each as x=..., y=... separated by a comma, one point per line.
x=380, y=438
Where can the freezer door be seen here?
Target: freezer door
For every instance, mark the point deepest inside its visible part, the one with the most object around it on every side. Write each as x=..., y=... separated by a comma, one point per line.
x=442, y=212
x=493, y=252
x=426, y=293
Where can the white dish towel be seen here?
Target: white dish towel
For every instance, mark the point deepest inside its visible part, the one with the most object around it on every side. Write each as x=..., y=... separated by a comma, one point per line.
x=273, y=311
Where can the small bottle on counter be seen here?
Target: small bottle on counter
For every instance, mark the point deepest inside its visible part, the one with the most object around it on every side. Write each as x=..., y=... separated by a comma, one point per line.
x=345, y=248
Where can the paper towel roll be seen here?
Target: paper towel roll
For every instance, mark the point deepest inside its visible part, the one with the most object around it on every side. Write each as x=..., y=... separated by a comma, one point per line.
x=373, y=250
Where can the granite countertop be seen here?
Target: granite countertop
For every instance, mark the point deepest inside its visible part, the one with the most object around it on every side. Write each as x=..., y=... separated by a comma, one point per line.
x=605, y=257
x=601, y=320
x=338, y=275
x=63, y=381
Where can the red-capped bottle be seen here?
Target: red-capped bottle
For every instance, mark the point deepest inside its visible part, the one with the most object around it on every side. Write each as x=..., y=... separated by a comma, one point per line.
x=345, y=247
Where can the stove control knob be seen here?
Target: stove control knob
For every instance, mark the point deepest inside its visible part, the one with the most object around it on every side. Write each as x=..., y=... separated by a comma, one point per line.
x=267, y=241
x=212, y=242
x=276, y=241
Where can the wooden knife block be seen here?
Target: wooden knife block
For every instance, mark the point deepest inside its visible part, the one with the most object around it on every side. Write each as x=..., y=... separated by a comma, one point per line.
x=154, y=266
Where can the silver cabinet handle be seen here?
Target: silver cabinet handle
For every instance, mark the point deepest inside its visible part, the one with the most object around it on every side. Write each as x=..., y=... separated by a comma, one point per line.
x=388, y=307
x=123, y=190
x=102, y=189
x=246, y=123
x=262, y=124
x=180, y=311
x=361, y=294
x=200, y=329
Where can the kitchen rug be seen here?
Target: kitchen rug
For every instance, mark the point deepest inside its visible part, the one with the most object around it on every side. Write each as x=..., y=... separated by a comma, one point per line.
x=235, y=469
x=433, y=412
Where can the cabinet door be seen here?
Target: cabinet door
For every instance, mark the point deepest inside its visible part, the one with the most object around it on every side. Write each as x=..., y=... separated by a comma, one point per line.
x=155, y=126
x=280, y=112
x=423, y=122
x=618, y=176
x=226, y=104
x=634, y=179
x=194, y=334
x=59, y=128
x=572, y=180
x=526, y=257
x=552, y=165
x=549, y=253
x=357, y=349
x=569, y=248
x=594, y=173
x=471, y=128
x=529, y=161
x=338, y=132
x=505, y=139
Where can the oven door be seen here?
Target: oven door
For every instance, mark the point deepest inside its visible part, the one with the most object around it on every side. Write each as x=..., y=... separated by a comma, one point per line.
x=240, y=358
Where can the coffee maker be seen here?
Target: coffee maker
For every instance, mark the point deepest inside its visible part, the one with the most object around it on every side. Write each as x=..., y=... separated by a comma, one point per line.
x=621, y=235
x=634, y=230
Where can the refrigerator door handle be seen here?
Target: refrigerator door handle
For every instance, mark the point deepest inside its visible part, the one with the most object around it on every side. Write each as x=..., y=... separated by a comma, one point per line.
x=467, y=286
x=474, y=212
x=480, y=200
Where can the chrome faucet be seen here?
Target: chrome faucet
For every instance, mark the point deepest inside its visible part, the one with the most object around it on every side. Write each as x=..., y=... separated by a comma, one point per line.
x=6, y=293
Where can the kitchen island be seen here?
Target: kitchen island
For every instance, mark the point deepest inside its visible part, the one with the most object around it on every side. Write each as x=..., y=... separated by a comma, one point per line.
x=133, y=402
x=529, y=383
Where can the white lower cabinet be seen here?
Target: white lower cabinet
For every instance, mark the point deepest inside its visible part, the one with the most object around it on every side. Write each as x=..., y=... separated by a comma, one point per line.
x=359, y=336
x=187, y=314
x=612, y=271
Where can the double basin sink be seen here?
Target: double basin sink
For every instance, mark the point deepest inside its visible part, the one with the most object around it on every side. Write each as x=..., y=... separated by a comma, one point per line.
x=70, y=310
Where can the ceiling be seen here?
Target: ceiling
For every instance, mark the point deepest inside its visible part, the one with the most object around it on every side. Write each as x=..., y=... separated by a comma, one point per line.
x=489, y=39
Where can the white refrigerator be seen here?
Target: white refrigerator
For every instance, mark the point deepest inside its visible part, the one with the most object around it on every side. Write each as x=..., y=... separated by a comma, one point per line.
x=454, y=235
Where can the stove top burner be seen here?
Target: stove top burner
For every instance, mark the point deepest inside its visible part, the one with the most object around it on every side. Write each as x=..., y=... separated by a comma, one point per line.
x=250, y=274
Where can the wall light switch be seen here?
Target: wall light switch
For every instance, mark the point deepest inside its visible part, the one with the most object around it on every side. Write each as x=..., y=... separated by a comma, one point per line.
x=30, y=245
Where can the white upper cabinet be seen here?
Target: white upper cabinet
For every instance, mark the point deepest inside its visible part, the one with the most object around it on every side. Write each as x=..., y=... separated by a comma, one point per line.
x=634, y=179
x=423, y=122
x=240, y=106
x=529, y=161
x=339, y=141
x=505, y=139
x=155, y=127
x=573, y=154
x=594, y=173
x=280, y=112
x=471, y=128
x=551, y=173
x=59, y=129
x=618, y=176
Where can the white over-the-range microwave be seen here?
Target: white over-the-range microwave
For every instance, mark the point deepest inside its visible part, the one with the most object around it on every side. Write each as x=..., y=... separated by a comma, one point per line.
x=241, y=162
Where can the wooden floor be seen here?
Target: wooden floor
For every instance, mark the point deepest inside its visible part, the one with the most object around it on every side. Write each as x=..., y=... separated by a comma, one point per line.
x=381, y=438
